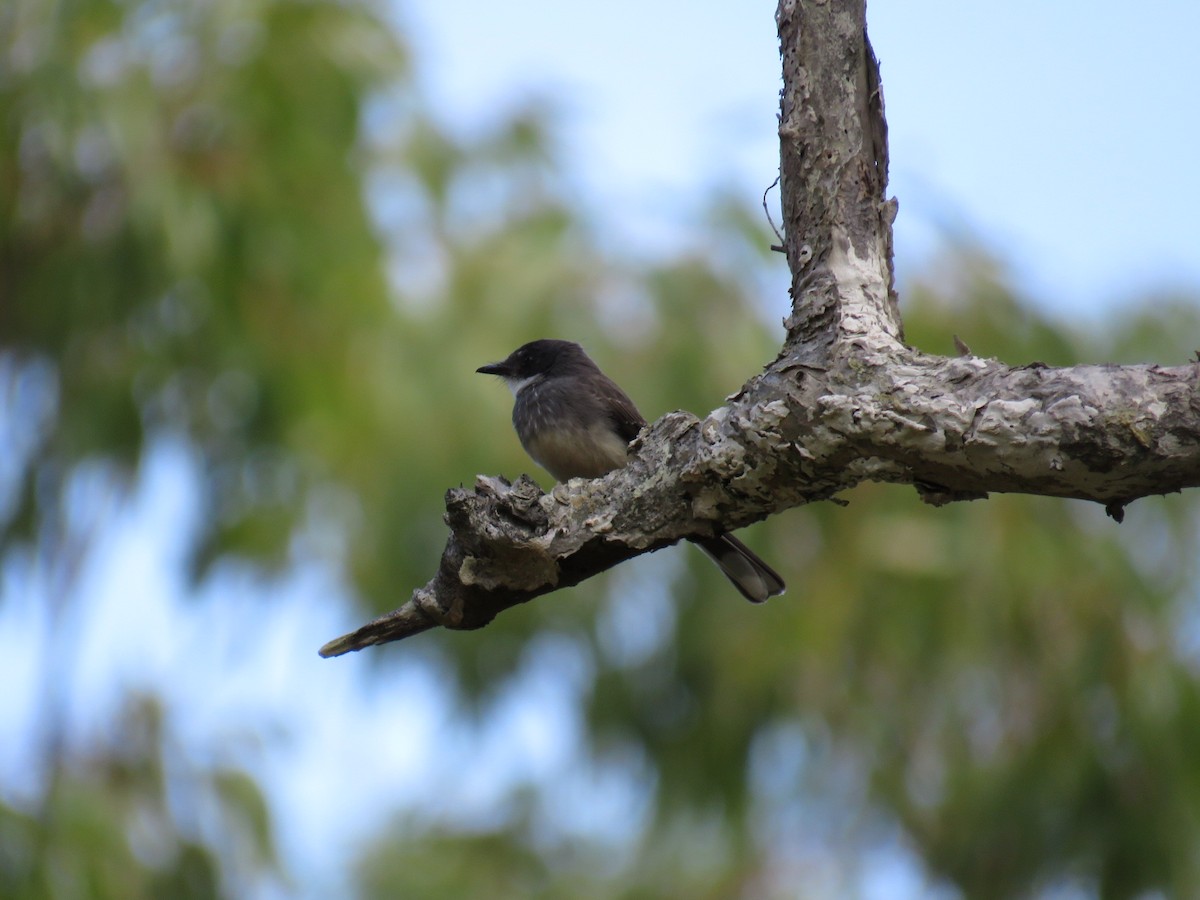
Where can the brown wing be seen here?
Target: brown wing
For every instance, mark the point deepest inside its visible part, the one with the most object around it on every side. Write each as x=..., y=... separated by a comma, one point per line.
x=624, y=414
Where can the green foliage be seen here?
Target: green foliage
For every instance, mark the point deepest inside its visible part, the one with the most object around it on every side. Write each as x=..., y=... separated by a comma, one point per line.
x=185, y=234
x=107, y=829
x=186, y=249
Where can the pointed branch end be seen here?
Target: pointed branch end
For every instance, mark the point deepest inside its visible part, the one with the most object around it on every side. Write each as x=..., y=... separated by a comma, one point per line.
x=397, y=625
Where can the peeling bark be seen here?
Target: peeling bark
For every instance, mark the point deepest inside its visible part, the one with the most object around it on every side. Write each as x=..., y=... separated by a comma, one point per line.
x=844, y=402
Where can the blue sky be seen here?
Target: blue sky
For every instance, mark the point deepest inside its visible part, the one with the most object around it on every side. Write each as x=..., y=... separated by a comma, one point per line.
x=1061, y=134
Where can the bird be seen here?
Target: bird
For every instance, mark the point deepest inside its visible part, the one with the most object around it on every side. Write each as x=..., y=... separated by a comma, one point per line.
x=576, y=422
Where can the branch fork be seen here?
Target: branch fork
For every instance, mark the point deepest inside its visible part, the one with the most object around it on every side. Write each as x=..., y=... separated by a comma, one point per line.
x=844, y=402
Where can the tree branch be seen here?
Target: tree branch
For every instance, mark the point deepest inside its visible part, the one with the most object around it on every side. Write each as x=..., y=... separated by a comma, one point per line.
x=833, y=177
x=844, y=402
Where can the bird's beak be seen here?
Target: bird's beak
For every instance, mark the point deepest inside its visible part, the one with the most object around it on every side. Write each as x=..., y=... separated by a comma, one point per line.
x=496, y=368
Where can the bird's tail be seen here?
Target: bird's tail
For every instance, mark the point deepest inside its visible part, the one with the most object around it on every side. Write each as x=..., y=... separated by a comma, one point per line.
x=754, y=578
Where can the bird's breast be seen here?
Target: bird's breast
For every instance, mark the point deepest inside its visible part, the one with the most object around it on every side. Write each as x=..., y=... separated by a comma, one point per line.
x=575, y=452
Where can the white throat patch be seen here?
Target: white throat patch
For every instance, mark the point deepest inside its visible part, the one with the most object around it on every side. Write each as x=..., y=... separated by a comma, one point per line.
x=516, y=385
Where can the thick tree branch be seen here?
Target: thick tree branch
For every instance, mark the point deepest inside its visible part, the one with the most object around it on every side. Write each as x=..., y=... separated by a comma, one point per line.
x=844, y=402
x=833, y=177
x=957, y=428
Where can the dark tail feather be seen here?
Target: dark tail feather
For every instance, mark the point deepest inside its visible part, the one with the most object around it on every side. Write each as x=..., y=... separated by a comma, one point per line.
x=754, y=578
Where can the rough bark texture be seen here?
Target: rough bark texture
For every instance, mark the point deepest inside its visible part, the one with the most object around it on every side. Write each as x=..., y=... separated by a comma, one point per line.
x=844, y=402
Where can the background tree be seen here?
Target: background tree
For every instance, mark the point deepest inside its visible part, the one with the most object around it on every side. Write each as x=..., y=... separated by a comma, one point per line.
x=188, y=258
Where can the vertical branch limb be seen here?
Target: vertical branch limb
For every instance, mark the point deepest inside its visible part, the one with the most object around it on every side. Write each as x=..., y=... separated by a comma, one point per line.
x=833, y=177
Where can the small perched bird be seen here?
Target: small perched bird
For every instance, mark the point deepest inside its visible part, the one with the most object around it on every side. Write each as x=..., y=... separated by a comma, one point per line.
x=576, y=423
